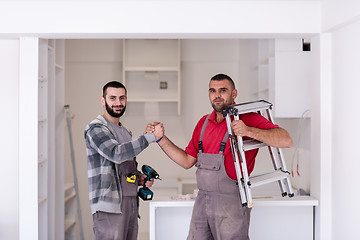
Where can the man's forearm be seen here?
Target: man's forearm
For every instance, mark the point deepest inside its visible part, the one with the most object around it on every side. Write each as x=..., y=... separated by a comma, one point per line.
x=103, y=142
x=176, y=154
x=275, y=137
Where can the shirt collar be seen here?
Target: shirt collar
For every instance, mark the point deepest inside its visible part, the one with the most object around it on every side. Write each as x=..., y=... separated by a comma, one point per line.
x=212, y=117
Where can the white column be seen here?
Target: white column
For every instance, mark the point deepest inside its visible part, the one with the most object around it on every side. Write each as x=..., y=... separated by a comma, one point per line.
x=321, y=135
x=28, y=139
x=9, y=141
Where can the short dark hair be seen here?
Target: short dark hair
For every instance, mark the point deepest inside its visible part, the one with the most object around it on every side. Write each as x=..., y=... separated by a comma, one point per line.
x=114, y=84
x=221, y=77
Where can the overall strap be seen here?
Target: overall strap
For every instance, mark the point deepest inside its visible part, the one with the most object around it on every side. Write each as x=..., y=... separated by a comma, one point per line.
x=222, y=144
x=202, y=133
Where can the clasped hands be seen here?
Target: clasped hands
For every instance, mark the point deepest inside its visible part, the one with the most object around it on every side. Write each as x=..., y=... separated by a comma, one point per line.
x=157, y=128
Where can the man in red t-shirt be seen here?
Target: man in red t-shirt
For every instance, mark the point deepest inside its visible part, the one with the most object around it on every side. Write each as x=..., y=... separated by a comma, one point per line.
x=218, y=212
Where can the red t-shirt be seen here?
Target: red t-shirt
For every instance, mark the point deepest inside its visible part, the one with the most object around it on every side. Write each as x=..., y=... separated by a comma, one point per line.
x=214, y=134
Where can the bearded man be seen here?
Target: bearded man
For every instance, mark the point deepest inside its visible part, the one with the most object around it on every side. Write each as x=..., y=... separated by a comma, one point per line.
x=113, y=176
x=218, y=212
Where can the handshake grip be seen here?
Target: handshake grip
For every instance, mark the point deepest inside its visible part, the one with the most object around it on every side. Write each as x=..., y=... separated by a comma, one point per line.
x=145, y=193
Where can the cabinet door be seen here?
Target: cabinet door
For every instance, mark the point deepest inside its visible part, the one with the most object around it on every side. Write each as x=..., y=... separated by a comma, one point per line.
x=281, y=223
x=291, y=87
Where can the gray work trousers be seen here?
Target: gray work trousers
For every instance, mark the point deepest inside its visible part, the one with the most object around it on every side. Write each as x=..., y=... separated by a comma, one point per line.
x=219, y=217
x=218, y=213
x=118, y=226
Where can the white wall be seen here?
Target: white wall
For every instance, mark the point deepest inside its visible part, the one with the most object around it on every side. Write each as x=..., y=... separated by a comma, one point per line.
x=9, y=178
x=159, y=18
x=345, y=158
x=337, y=13
x=334, y=151
x=201, y=60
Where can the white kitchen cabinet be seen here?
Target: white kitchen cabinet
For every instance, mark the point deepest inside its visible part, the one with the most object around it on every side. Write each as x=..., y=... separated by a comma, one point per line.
x=151, y=73
x=282, y=76
x=290, y=92
x=272, y=218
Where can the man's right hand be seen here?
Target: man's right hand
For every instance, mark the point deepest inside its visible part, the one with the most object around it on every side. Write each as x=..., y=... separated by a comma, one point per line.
x=159, y=130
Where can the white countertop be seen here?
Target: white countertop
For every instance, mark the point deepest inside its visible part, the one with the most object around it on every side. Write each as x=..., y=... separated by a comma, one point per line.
x=258, y=201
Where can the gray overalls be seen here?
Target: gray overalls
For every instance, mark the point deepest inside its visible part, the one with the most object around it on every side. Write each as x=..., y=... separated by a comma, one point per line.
x=123, y=225
x=218, y=213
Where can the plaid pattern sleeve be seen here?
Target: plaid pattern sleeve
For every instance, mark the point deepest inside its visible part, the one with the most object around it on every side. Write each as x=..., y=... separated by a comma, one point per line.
x=104, y=143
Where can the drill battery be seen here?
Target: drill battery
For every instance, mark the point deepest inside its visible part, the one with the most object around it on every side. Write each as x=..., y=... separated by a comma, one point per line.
x=146, y=194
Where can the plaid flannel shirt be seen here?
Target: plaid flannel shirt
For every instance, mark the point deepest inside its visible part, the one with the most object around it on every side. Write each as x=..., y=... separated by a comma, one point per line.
x=103, y=152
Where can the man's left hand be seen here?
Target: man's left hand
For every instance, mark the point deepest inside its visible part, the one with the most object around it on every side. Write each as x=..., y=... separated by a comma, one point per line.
x=148, y=183
x=239, y=128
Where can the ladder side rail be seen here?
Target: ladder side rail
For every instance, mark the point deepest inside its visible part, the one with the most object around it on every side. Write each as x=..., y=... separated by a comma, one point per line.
x=276, y=167
x=241, y=184
x=282, y=162
x=235, y=150
x=68, y=119
x=281, y=157
x=245, y=174
x=244, y=169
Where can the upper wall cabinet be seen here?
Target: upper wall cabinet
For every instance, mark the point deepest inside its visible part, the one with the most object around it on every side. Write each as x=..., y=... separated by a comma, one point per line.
x=282, y=76
x=151, y=73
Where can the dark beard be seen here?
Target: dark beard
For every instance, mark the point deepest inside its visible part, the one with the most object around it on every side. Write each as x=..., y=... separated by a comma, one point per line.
x=220, y=108
x=112, y=113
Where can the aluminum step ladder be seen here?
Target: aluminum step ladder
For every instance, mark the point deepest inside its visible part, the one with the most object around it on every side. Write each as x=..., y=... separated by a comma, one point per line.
x=240, y=146
x=76, y=185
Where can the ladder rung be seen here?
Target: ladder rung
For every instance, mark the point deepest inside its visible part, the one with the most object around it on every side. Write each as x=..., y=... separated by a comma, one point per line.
x=252, y=144
x=252, y=106
x=268, y=178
